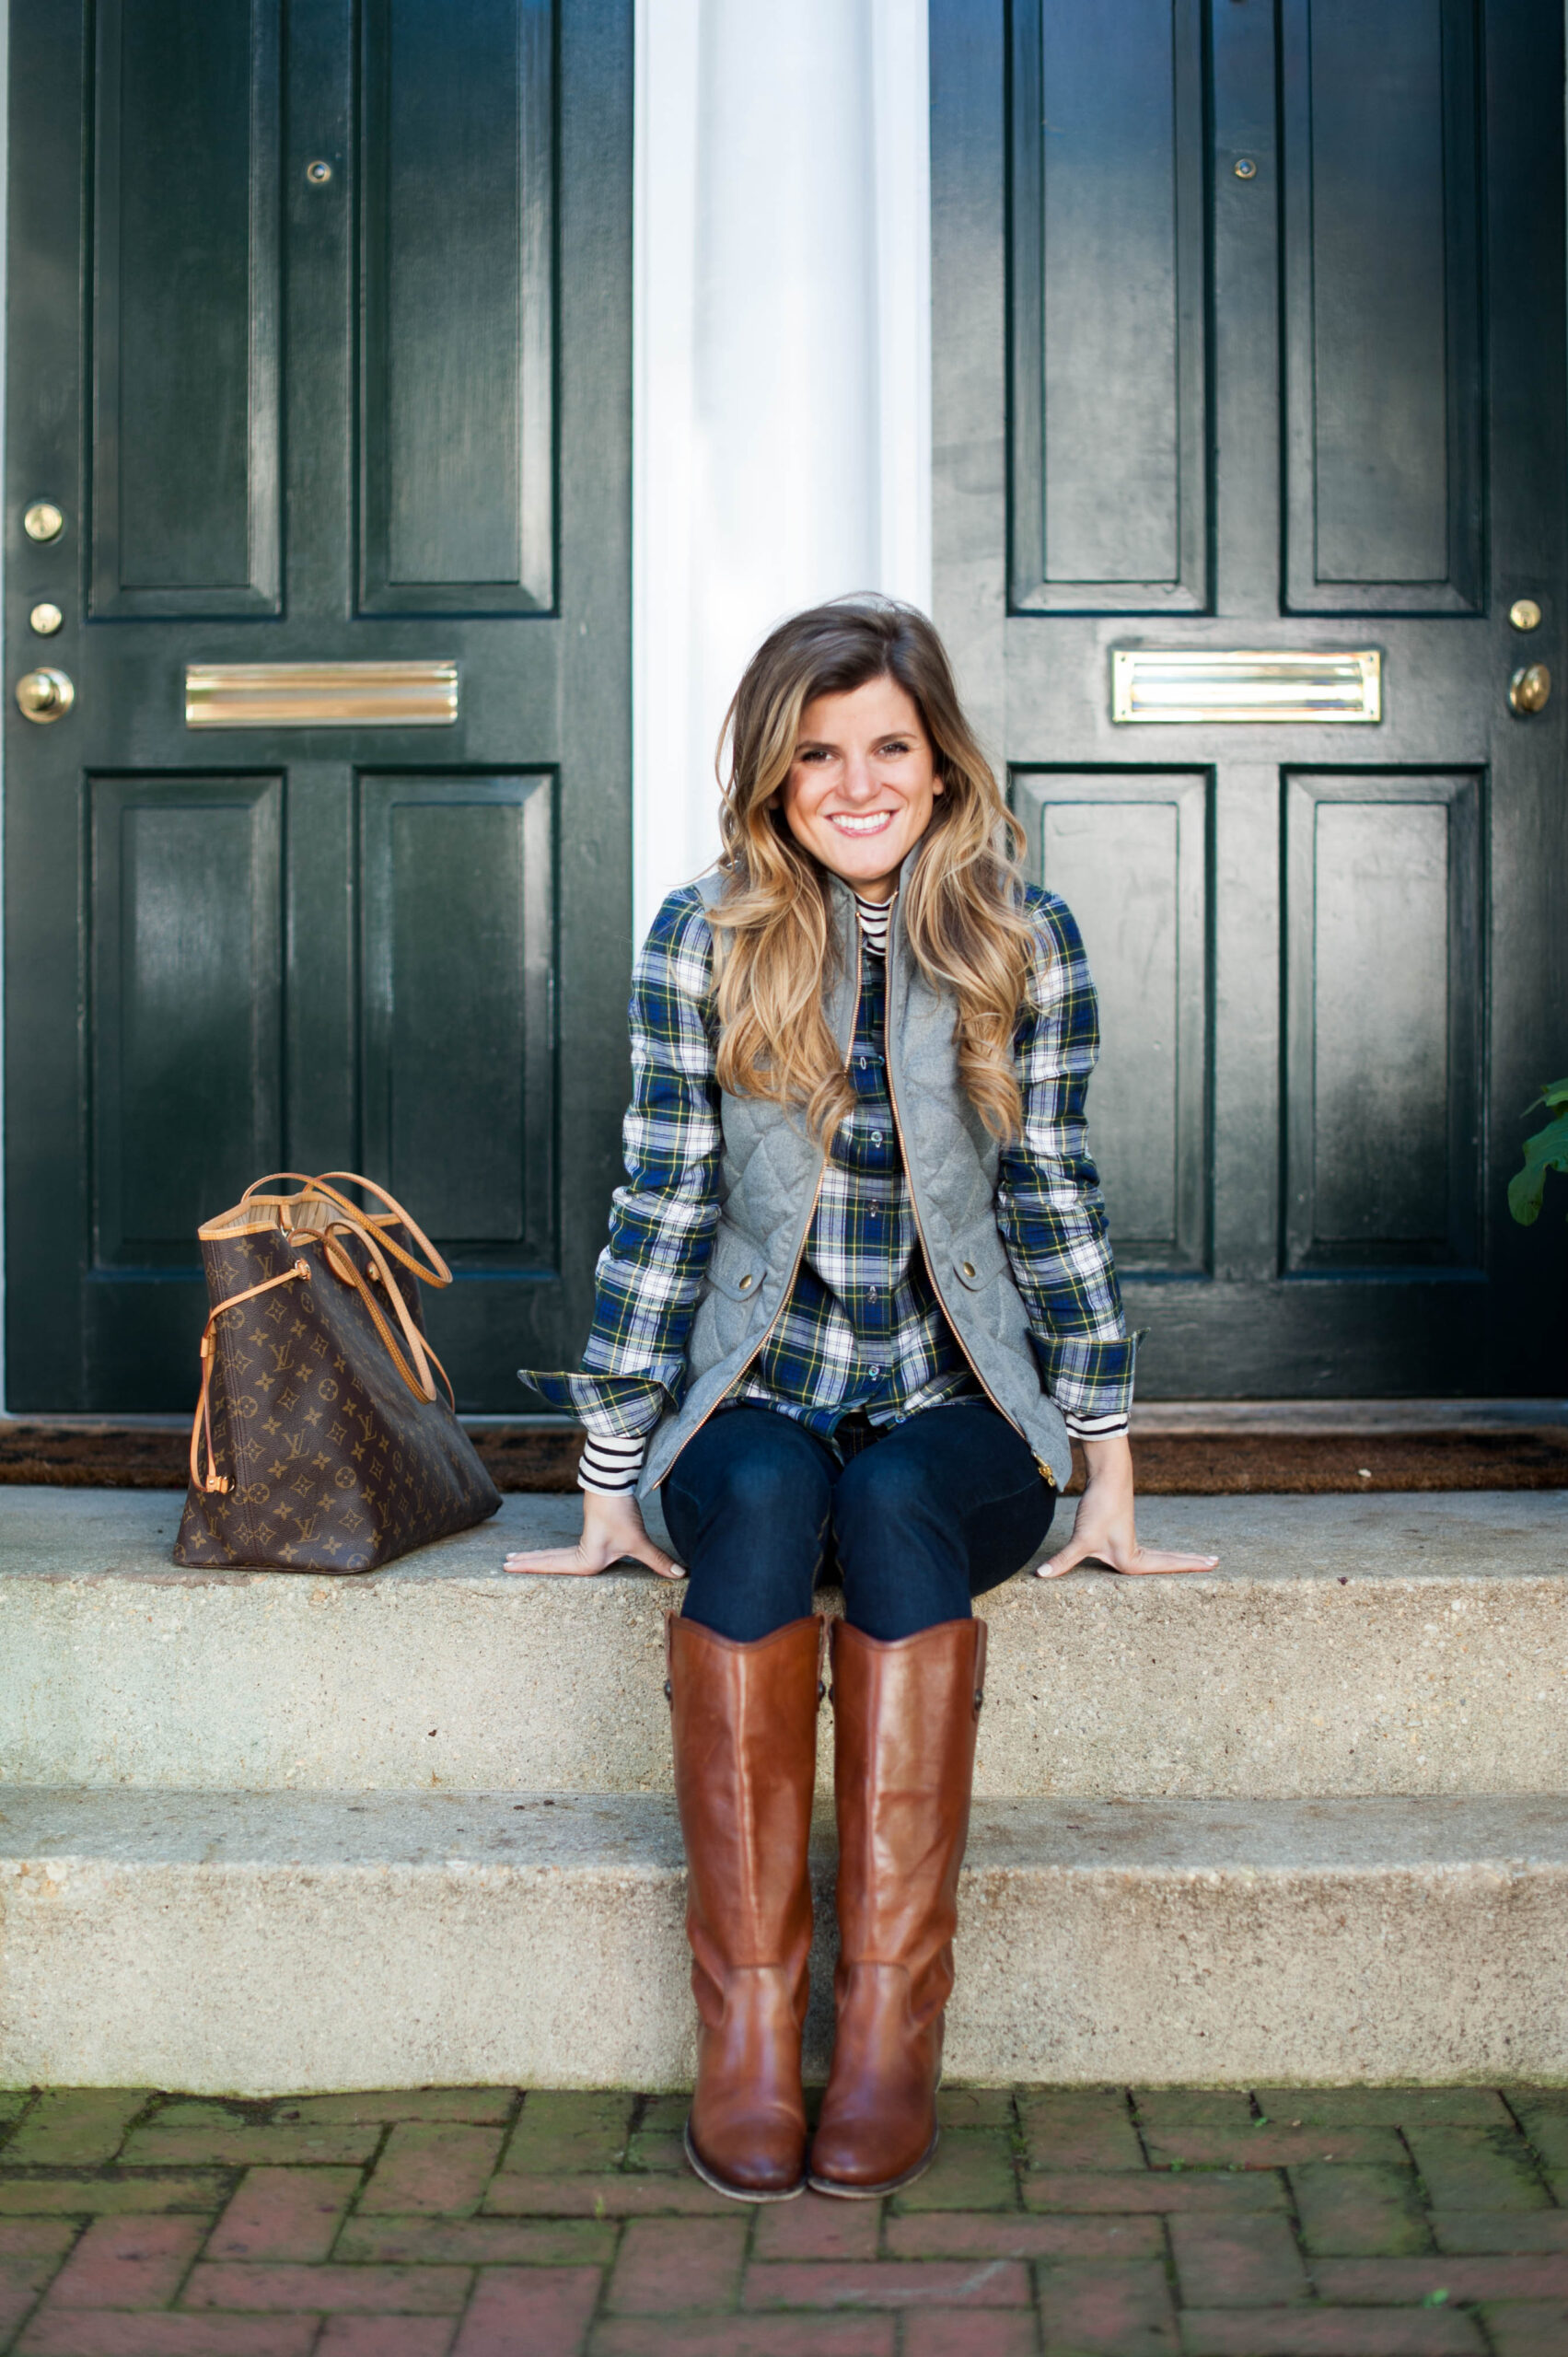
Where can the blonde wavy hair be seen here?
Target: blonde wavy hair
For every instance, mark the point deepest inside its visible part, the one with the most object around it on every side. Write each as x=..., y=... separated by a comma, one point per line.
x=962, y=902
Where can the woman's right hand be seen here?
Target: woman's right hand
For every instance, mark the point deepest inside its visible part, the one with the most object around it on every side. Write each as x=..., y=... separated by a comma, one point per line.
x=612, y=1530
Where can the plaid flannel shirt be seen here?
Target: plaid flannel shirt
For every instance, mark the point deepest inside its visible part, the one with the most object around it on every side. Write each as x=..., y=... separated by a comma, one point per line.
x=861, y=1327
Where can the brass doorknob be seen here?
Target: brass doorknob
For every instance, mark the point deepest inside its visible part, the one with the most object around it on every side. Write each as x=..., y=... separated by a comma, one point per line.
x=44, y=695
x=1530, y=690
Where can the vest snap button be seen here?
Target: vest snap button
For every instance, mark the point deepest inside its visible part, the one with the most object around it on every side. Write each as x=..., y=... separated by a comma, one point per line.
x=744, y=1283
x=968, y=1268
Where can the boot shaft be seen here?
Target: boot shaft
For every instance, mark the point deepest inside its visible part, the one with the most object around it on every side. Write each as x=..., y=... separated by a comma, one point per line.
x=905, y=1720
x=743, y=1722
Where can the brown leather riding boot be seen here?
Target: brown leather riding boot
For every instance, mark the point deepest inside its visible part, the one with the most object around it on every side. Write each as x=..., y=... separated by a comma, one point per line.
x=904, y=1721
x=744, y=1720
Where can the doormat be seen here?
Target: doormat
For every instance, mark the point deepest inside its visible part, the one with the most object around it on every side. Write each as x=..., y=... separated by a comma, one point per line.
x=1186, y=1464
x=154, y=1456
x=1221, y=1463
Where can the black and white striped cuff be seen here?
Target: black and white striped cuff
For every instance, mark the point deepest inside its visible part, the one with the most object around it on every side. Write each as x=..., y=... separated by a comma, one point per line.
x=1094, y=1427
x=610, y=1463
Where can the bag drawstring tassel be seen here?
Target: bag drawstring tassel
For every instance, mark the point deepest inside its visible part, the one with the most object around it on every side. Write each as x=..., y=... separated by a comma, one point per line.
x=217, y=1484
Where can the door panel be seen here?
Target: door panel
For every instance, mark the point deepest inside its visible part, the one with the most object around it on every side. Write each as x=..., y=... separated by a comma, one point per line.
x=1381, y=113
x=459, y=1061
x=1330, y=959
x=1382, y=1022
x=1129, y=853
x=1108, y=312
x=186, y=983
x=456, y=397
x=185, y=458
x=331, y=946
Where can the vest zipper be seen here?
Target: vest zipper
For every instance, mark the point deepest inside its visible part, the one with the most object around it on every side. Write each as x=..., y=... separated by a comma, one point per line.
x=930, y=1264
x=741, y=1371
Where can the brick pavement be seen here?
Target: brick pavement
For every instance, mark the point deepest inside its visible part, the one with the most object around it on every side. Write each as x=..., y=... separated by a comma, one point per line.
x=1356, y=2222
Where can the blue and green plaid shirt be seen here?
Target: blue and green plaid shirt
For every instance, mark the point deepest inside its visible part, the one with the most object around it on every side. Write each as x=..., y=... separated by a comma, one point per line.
x=861, y=1327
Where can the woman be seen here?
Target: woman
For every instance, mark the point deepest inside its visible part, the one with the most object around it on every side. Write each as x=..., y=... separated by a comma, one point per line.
x=857, y=1294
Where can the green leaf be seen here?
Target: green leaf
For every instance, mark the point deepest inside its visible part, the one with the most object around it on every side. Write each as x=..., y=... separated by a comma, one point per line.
x=1548, y=1150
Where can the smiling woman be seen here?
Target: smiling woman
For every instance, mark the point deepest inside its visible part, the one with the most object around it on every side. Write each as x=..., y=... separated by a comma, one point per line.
x=861, y=771
x=863, y=784
x=857, y=1293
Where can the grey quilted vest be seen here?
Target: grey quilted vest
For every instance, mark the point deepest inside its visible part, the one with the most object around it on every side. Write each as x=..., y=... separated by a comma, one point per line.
x=768, y=1185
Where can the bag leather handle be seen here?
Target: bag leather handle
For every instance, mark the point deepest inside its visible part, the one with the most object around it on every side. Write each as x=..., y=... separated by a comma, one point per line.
x=319, y=1190
x=341, y=1264
x=438, y=1274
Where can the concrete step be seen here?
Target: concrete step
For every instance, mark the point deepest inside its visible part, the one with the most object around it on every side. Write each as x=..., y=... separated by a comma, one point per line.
x=228, y=1943
x=1395, y=1645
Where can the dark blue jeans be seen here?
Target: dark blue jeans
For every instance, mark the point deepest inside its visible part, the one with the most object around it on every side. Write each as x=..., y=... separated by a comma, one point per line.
x=920, y=1518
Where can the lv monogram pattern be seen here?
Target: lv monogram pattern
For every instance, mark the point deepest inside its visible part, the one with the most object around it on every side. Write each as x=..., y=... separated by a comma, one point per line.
x=333, y=1464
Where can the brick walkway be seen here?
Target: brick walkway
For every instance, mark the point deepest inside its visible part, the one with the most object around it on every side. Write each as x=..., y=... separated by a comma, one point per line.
x=1056, y=2222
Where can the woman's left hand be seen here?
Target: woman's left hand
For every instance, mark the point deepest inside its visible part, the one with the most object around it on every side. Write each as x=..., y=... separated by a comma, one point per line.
x=1103, y=1531
x=612, y=1533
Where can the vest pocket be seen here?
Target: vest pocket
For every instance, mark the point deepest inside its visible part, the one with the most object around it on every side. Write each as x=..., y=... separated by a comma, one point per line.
x=731, y=1310
x=735, y=1270
x=978, y=1263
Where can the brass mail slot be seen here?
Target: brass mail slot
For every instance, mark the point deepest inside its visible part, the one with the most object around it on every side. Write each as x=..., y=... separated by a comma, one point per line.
x=1167, y=685
x=321, y=695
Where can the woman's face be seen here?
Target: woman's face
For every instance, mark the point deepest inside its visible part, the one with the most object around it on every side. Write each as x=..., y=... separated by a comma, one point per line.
x=862, y=784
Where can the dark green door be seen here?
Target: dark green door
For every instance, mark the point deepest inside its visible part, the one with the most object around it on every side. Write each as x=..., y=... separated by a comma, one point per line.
x=319, y=342
x=1248, y=324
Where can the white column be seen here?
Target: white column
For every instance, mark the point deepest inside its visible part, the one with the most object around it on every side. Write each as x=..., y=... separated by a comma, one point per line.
x=782, y=360
x=4, y=255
